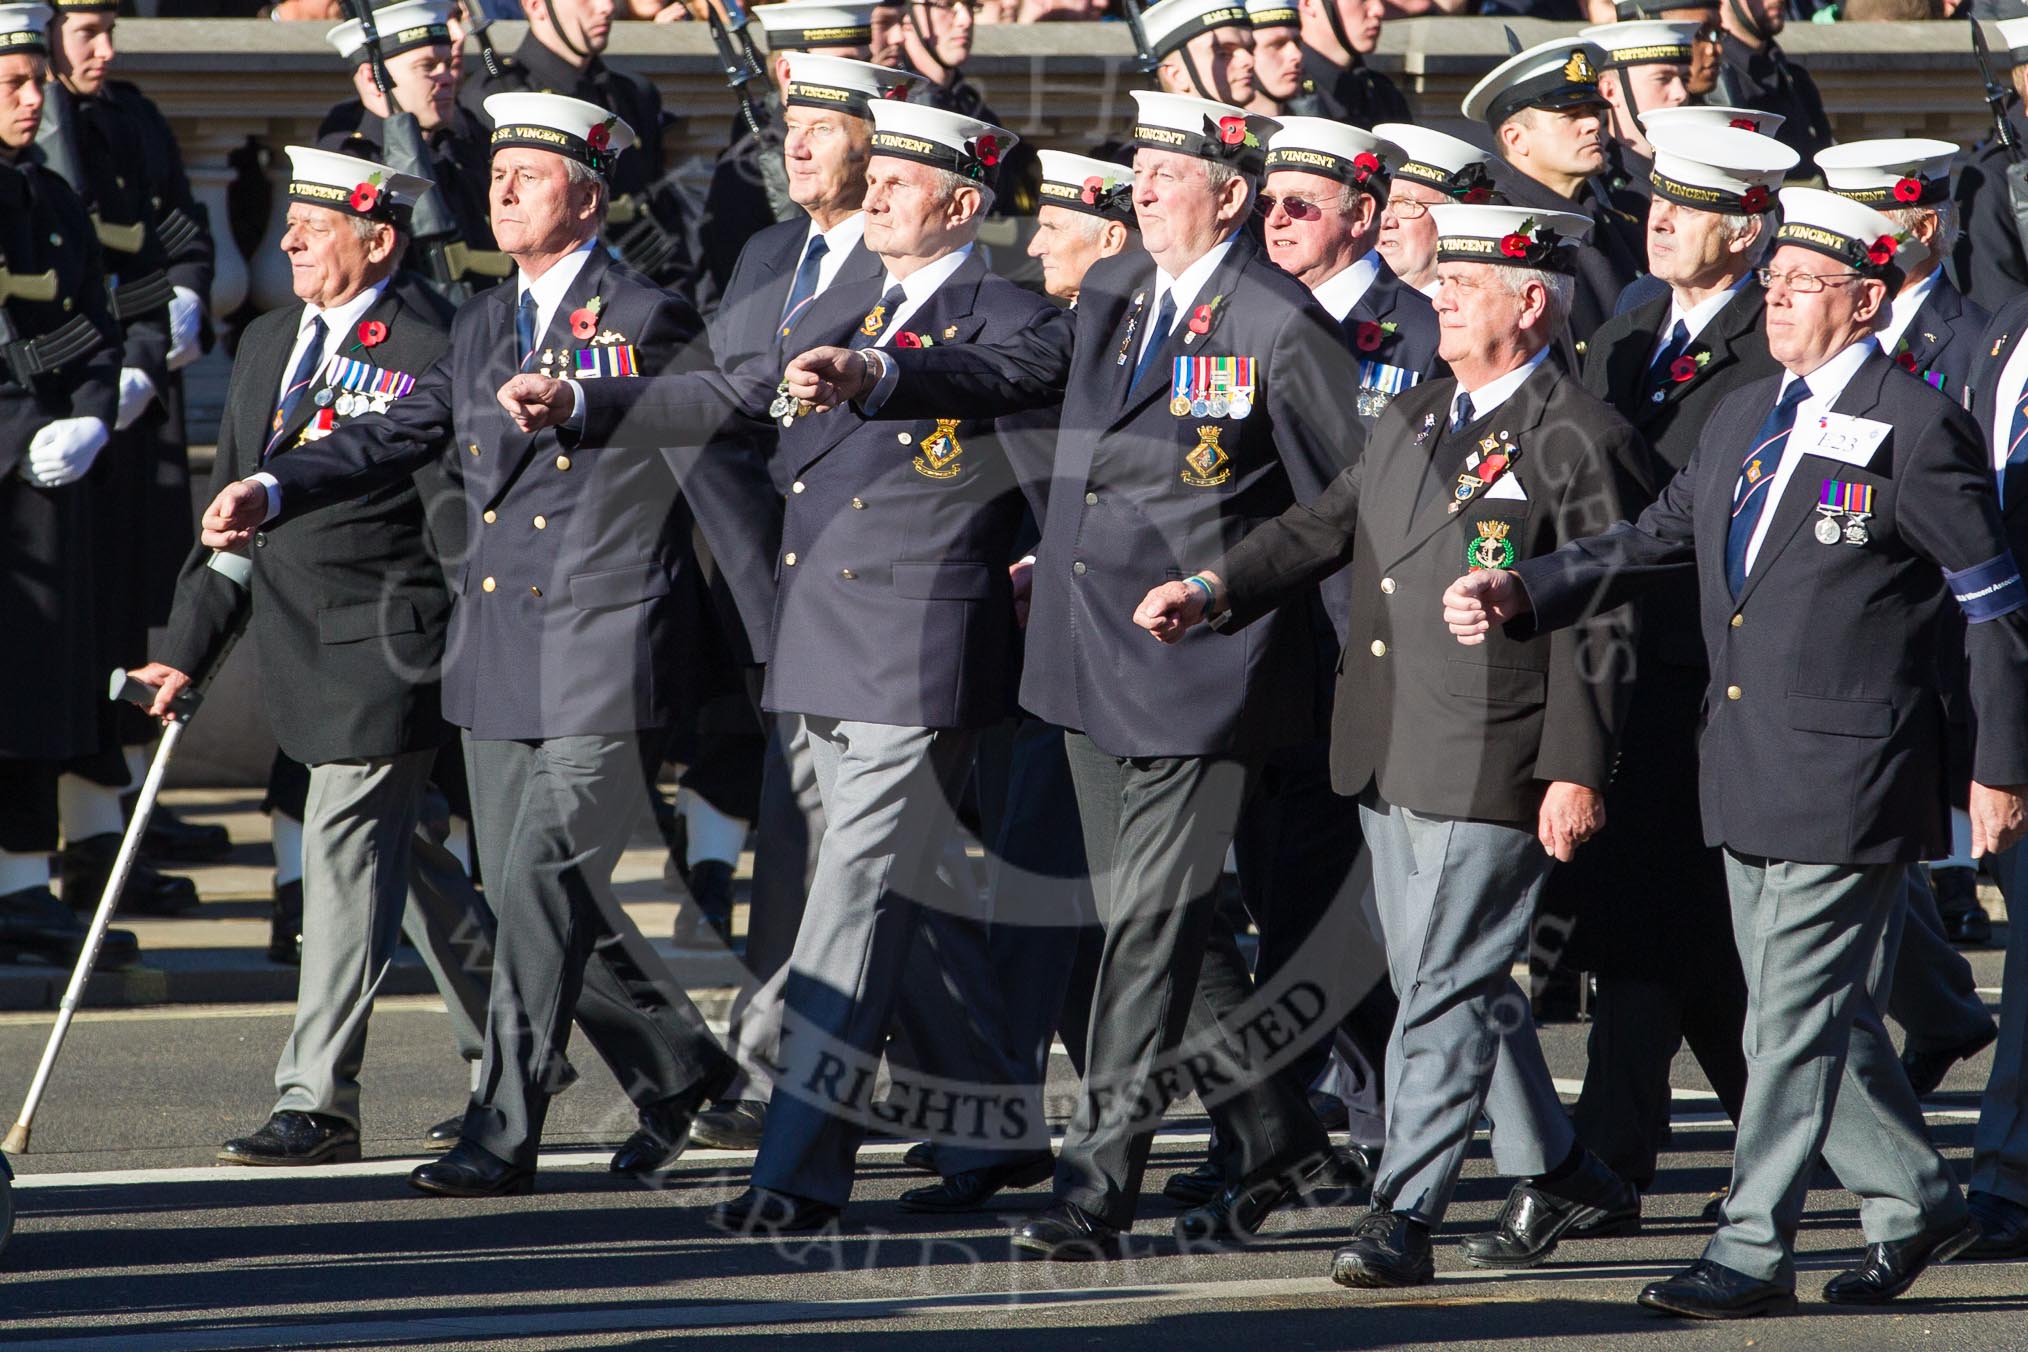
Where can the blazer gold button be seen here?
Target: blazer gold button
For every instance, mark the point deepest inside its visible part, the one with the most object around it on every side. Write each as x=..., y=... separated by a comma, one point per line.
x=1738, y=620
x=1387, y=585
x=858, y=504
x=796, y=487
x=1091, y=499
x=473, y=448
x=1732, y=692
x=563, y=462
x=904, y=438
x=537, y=591
x=789, y=560
x=1379, y=648
x=487, y=585
x=1078, y=568
x=489, y=518
x=847, y=574
x=542, y=523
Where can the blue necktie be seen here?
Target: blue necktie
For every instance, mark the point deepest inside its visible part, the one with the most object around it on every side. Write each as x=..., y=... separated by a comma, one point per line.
x=1659, y=375
x=1756, y=473
x=803, y=289
x=1165, y=319
x=1462, y=412
x=880, y=318
x=2014, y=472
x=292, y=393
x=524, y=328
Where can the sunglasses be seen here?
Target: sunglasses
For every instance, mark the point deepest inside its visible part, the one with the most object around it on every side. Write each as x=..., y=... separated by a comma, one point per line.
x=1296, y=208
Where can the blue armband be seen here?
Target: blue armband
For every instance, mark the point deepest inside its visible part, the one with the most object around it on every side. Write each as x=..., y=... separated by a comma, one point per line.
x=1988, y=590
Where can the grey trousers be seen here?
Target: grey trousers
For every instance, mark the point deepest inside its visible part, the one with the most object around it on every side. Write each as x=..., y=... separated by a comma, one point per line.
x=1817, y=946
x=1456, y=900
x=878, y=893
x=2000, y=1141
x=1934, y=998
x=370, y=870
x=552, y=819
x=1170, y=1010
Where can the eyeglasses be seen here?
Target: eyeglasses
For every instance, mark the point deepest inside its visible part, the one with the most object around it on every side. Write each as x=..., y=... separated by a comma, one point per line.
x=1408, y=208
x=1709, y=33
x=1803, y=283
x=1297, y=208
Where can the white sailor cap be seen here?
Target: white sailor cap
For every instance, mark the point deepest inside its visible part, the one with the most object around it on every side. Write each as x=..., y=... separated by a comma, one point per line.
x=1710, y=116
x=1440, y=160
x=570, y=127
x=355, y=186
x=1723, y=169
x=1199, y=127
x=402, y=27
x=1520, y=237
x=1889, y=173
x=964, y=145
x=1081, y=183
x=1627, y=10
x=23, y=29
x=1171, y=23
x=1851, y=232
x=2013, y=39
x=1273, y=14
x=1337, y=150
x=1562, y=73
x=1642, y=42
x=799, y=26
x=818, y=81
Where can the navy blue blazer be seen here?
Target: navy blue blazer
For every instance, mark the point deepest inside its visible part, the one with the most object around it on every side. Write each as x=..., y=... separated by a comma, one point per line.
x=1823, y=736
x=893, y=603
x=1942, y=341
x=1141, y=494
x=1392, y=325
x=567, y=619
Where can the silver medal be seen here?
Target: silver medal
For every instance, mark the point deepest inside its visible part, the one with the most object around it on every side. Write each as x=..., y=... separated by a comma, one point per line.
x=1200, y=407
x=1241, y=406
x=323, y=397
x=1827, y=531
x=1220, y=405
x=1856, y=532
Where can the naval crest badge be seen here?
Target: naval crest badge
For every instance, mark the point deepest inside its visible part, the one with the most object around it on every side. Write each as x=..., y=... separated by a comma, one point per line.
x=937, y=454
x=1207, y=465
x=875, y=321
x=1490, y=548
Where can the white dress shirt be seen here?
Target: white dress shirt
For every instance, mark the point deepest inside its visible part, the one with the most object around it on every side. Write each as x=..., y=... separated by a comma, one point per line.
x=1498, y=390
x=1183, y=288
x=1698, y=317
x=339, y=322
x=1901, y=312
x=548, y=289
x=1827, y=382
x=839, y=240
x=916, y=289
x=1342, y=290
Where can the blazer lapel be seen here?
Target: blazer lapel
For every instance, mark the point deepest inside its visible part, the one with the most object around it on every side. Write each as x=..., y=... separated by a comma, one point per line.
x=1931, y=329
x=1735, y=319
x=1124, y=349
x=1182, y=340
x=266, y=375
x=1518, y=417
x=350, y=344
x=1627, y=383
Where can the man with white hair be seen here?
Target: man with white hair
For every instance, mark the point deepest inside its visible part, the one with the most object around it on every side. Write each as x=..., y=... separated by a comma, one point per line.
x=1087, y=213
x=1472, y=779
x=1434, y=168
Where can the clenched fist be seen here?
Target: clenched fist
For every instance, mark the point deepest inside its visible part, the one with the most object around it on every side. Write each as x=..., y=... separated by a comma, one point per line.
x=536, y=402
x=233, y=516
x=825, y=377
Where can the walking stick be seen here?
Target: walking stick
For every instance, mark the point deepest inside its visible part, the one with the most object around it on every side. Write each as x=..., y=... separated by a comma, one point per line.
x=123, y=687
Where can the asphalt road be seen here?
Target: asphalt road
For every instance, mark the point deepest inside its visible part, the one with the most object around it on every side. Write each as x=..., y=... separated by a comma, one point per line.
x=130, y=1238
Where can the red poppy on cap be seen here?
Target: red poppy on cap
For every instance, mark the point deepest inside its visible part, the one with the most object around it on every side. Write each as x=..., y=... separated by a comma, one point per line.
x=1754, y=199
x=1514, y=245
x=1232, y=130
x=601, y=136
x=1476, y=194
x=372, y=333
x=1907, y=189
x=364, y=197
x=1881, y=251
x=1364, y=165
x=583, y=323
x=987, y=148
x=1093, y=186
x=1744, y=124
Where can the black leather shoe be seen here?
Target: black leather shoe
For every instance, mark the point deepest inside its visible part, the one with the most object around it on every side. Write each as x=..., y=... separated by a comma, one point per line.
x=1957, y=904
x=1330, y=1110
x=921, y=1156
x=472, y=1171
x=34, y=922
x=1195, y=1187
x=444, y=1134
x=285, y=927
x=2003, y=1227
x=293, y=1138
x=171, y=839
x=1596, y=1223
x=970, y=1189
x=730, y=1124
x=1388, y=1248
x=88, y=863
x=764, y=1212
x=1235, y=1215
x=664, y=1133
x=1971, y=928
x=1067, y=1231
x=1891, y=1269
x=1707, y=1290
x=1926, y=1070
x=1537, y=1214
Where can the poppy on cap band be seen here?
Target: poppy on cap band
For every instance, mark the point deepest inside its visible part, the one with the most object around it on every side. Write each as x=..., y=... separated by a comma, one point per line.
x=1905, y=192
x=1470, y=184
x=854, y=35
x=406, y=40
x=1539, y=254
x=1654, y=54
x=803, y=94
x=1230, y=16
x=1856, y=254
x=380, y=206
x=1700, y=198
x=1209, y=144
x=549, y=138
x=1275, y=18
x=1371, y=175
x=24, y=41
x=966, y=163
x=1111, y=204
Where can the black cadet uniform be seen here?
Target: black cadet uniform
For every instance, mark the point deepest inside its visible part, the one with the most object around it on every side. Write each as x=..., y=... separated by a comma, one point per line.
x=460, y=166
x=1354, y=93
x=1766, y=79
x=1989, y=260
x=749, y=192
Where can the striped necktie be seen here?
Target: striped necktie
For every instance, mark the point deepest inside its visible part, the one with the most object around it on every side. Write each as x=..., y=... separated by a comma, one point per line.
x=803, y=289
x=1756, y=473
x=292, y=393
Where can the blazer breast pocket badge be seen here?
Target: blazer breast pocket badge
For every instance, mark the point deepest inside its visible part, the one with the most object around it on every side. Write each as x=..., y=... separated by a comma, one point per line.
x=937, y=454
x=1207, y=465
x=1490, y=548
x=1214, y=387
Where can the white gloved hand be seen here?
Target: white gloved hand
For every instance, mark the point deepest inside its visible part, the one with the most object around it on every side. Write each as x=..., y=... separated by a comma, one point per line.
x=186, y=313
x=137, y=391
x=63, y=451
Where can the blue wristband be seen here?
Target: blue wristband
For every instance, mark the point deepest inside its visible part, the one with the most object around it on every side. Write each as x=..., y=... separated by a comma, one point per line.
x=1210, y=597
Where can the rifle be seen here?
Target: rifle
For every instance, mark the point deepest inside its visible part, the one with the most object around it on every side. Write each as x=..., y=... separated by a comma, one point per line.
x=742, y=65
x=1144, y=56
x=41, y=287
x=432, y=229
x=2003, y=134
x=477, y=20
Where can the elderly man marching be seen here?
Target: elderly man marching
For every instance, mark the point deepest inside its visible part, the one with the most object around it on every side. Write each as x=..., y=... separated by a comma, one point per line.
x=1472, y=779
x=1837, y=508
x=1433, y=169
x=566, y=642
